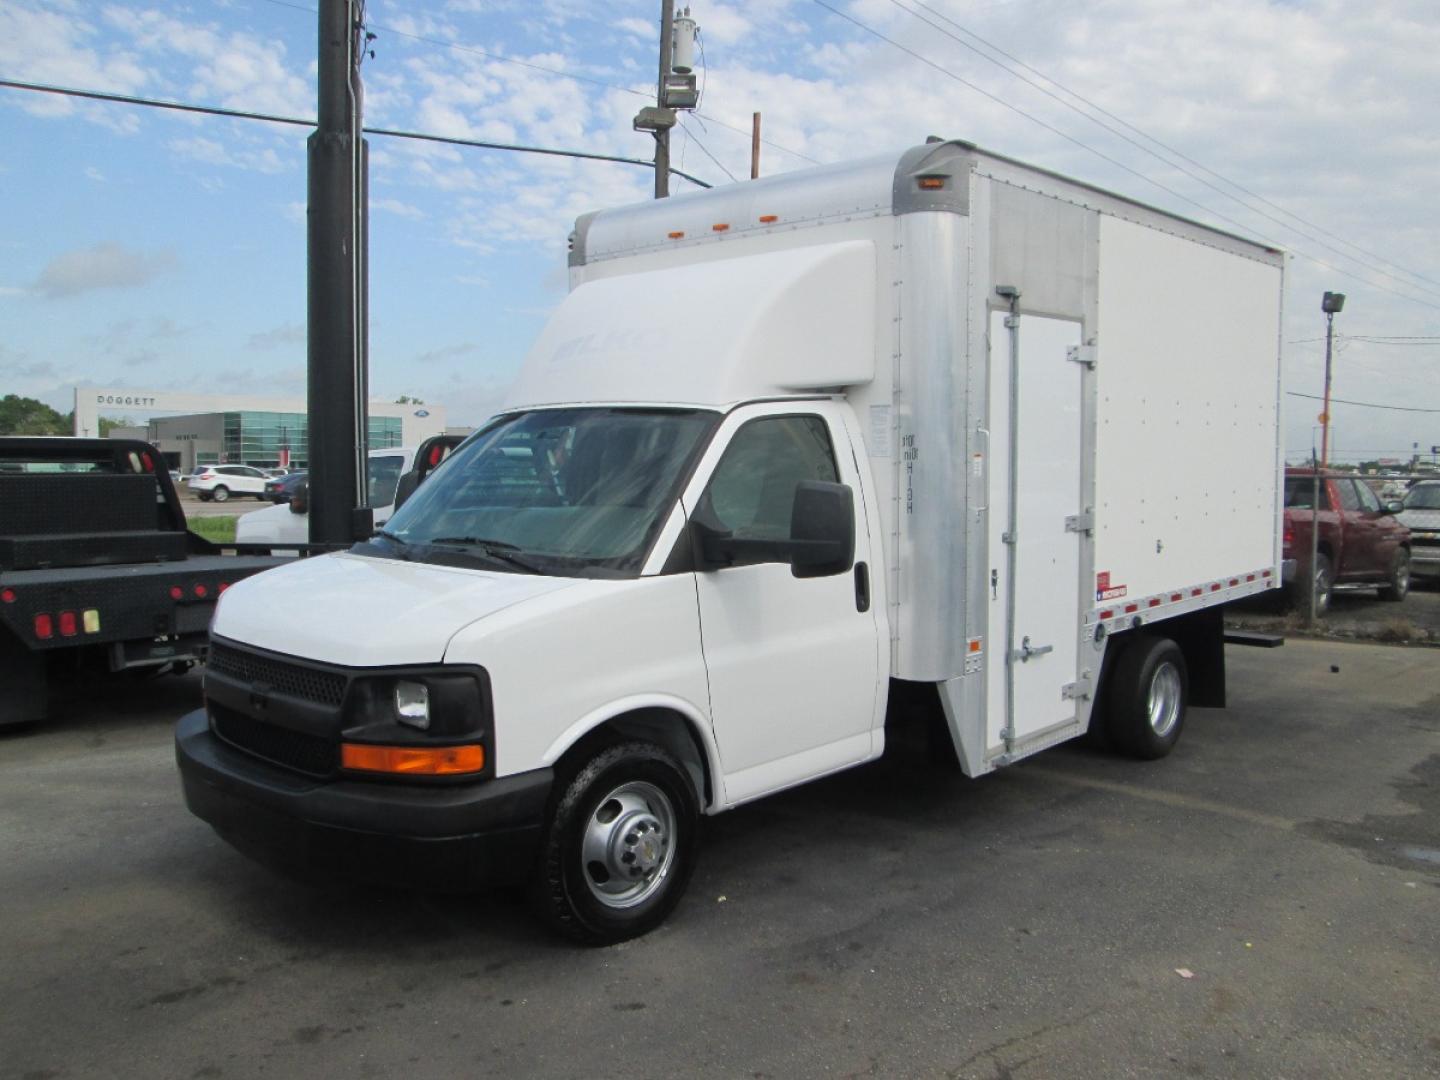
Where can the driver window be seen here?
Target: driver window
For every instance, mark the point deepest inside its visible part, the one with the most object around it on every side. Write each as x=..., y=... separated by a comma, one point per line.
x=1348, y=499
x=753, y=488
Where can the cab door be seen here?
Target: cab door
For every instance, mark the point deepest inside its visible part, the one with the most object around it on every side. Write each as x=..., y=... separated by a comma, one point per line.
x=794, y=664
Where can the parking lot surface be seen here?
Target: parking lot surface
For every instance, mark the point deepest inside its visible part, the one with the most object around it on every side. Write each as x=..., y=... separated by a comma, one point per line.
x=1265, y=902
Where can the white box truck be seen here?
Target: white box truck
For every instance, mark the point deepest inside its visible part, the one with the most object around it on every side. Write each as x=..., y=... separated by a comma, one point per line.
x=944, y=427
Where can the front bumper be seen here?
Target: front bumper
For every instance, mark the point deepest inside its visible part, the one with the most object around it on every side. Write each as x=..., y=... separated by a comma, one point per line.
x=442, y=837
x=1425, y=560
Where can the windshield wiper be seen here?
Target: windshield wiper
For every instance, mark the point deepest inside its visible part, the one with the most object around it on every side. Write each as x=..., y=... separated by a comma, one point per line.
x=499, y=550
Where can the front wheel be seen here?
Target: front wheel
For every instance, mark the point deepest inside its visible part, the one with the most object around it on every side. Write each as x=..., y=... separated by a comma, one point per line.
x=1146, y=697
x=619, y=846
x=221, y=493
x=1399, y=582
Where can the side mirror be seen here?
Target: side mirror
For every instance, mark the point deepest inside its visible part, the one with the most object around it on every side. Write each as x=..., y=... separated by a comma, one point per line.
x=408, y=483
x=822, y=529
x=821, y=542
x=1394, y=506
x=300, y=498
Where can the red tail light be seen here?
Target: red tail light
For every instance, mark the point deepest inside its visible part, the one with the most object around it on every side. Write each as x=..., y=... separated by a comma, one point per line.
x=44, y=626
x=1289, y=535
x=7, y=596
x=177, y=593
x=68, y=624
x=201, y=591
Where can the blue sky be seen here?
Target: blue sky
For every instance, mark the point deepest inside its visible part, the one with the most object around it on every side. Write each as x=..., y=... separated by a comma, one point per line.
x=148, y=249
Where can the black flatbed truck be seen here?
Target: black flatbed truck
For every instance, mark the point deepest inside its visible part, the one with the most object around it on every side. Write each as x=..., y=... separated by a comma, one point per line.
x=98, y=572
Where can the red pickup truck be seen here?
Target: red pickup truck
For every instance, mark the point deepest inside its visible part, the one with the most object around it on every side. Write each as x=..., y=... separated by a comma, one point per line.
x=1361, y=543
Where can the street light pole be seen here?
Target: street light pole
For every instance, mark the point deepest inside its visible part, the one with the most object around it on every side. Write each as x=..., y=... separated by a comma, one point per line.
x=1331, y=304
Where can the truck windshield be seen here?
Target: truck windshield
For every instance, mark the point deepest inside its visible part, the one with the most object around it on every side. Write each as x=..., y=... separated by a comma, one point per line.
x=559, y=491
x=1425, y=497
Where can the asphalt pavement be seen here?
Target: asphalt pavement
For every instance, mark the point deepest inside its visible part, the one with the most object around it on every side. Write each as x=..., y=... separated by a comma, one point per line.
x=1265, y=902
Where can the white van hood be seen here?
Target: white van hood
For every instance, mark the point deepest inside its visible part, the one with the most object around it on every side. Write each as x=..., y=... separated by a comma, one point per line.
x=367, y=612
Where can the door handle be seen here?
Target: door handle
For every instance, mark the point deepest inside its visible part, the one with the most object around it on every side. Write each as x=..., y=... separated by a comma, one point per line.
x=862, y=587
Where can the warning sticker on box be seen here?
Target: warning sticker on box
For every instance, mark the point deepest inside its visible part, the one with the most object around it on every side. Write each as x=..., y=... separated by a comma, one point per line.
x=1104, y=590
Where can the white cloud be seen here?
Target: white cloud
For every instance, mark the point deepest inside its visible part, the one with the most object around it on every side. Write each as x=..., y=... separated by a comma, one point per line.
x=212, y=152
x=103, y=266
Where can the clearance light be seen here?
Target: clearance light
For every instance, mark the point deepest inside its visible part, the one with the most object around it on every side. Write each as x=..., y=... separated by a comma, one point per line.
x=676, y=235
x=92, y=621
x=721, y=227
x=413, y=760
x=177, y=593
x=69, y=626
x=201, y=591
x=44, y=626
x=223, y=586
x=7, y=596
x=769, y=219
x=931, y=183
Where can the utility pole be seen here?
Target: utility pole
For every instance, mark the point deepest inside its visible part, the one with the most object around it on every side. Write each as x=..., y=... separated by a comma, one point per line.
x=662, y=135
x=675, y=88
x=338, y=291
x=755, y=146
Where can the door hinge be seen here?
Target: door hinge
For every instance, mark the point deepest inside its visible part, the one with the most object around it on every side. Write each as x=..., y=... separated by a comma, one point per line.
x=1076, y=690
x=1081, y=523
x=1082, y=354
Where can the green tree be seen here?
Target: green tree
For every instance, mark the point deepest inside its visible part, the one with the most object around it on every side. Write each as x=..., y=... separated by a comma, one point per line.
x=406, y=399
x=26, y=416
x=109, y=422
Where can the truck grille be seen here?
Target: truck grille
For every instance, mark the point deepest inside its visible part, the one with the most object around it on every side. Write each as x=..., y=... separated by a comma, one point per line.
x=296, y=750
x=294, y=680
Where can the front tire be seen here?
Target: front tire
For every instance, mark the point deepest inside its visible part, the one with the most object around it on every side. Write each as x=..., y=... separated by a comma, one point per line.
x=619, y=846
x=1147, y=696
x=1399, y=583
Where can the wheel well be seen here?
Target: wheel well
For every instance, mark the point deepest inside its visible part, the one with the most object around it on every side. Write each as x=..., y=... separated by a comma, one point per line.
x=664, y=727
x=1201, y=637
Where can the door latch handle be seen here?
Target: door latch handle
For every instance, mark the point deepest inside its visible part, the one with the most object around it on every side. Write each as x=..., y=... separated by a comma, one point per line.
x=862, y=587
x=1026, y=650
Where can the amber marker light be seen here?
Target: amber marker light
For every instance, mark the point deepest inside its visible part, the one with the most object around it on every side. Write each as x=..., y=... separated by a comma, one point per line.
x=720, y=227
x=413, y=760
x=769, y=219
x=931, y=183
x=676, y=235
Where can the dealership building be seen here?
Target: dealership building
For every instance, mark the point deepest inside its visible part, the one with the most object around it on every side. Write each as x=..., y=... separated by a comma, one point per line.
x=215, y=429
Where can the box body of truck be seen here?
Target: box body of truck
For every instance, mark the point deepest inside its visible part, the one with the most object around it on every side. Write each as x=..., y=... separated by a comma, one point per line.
x=945, y=421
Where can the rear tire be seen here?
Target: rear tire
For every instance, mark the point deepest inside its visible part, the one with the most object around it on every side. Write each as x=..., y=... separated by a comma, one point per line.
x=1324, y=588
x=1399, y=583
x=1146, y=698
x=221, y=493
x=619, y=847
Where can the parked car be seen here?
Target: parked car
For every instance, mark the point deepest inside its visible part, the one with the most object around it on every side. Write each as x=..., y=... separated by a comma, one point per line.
x=279, y=489
x=1422, y=517
x=219, y=482
x=1360, y=543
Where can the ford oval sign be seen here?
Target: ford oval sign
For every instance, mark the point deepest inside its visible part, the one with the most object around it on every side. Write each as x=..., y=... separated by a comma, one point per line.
x=422, y=412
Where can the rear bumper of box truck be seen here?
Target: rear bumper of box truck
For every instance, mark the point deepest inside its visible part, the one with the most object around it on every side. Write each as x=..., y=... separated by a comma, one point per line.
x=413, y=836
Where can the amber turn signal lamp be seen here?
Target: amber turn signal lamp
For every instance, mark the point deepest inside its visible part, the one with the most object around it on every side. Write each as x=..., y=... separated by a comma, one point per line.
x=413, y=760
x=931, y=183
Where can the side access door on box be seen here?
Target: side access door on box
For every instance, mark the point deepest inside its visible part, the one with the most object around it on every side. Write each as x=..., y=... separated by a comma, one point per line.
x=1039, y=532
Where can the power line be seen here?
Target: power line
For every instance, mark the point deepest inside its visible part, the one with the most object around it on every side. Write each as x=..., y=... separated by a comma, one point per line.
x=1111, y=160
x=695, y=139
x=1150, y=138
x=558, y=73
x=1361, y=404
x=240, y=114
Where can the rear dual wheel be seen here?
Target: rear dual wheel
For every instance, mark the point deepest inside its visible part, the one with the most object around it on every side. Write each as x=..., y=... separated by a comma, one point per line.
x=1146, y=696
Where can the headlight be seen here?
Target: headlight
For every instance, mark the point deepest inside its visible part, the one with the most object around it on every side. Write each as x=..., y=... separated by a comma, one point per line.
x=412, y=704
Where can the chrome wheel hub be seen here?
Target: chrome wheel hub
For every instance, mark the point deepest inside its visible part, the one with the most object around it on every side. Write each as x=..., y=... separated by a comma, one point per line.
x=1165, y=695
x=628, y=847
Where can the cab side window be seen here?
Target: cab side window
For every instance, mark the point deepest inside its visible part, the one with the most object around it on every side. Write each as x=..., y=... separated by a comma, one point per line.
x=753, y=488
